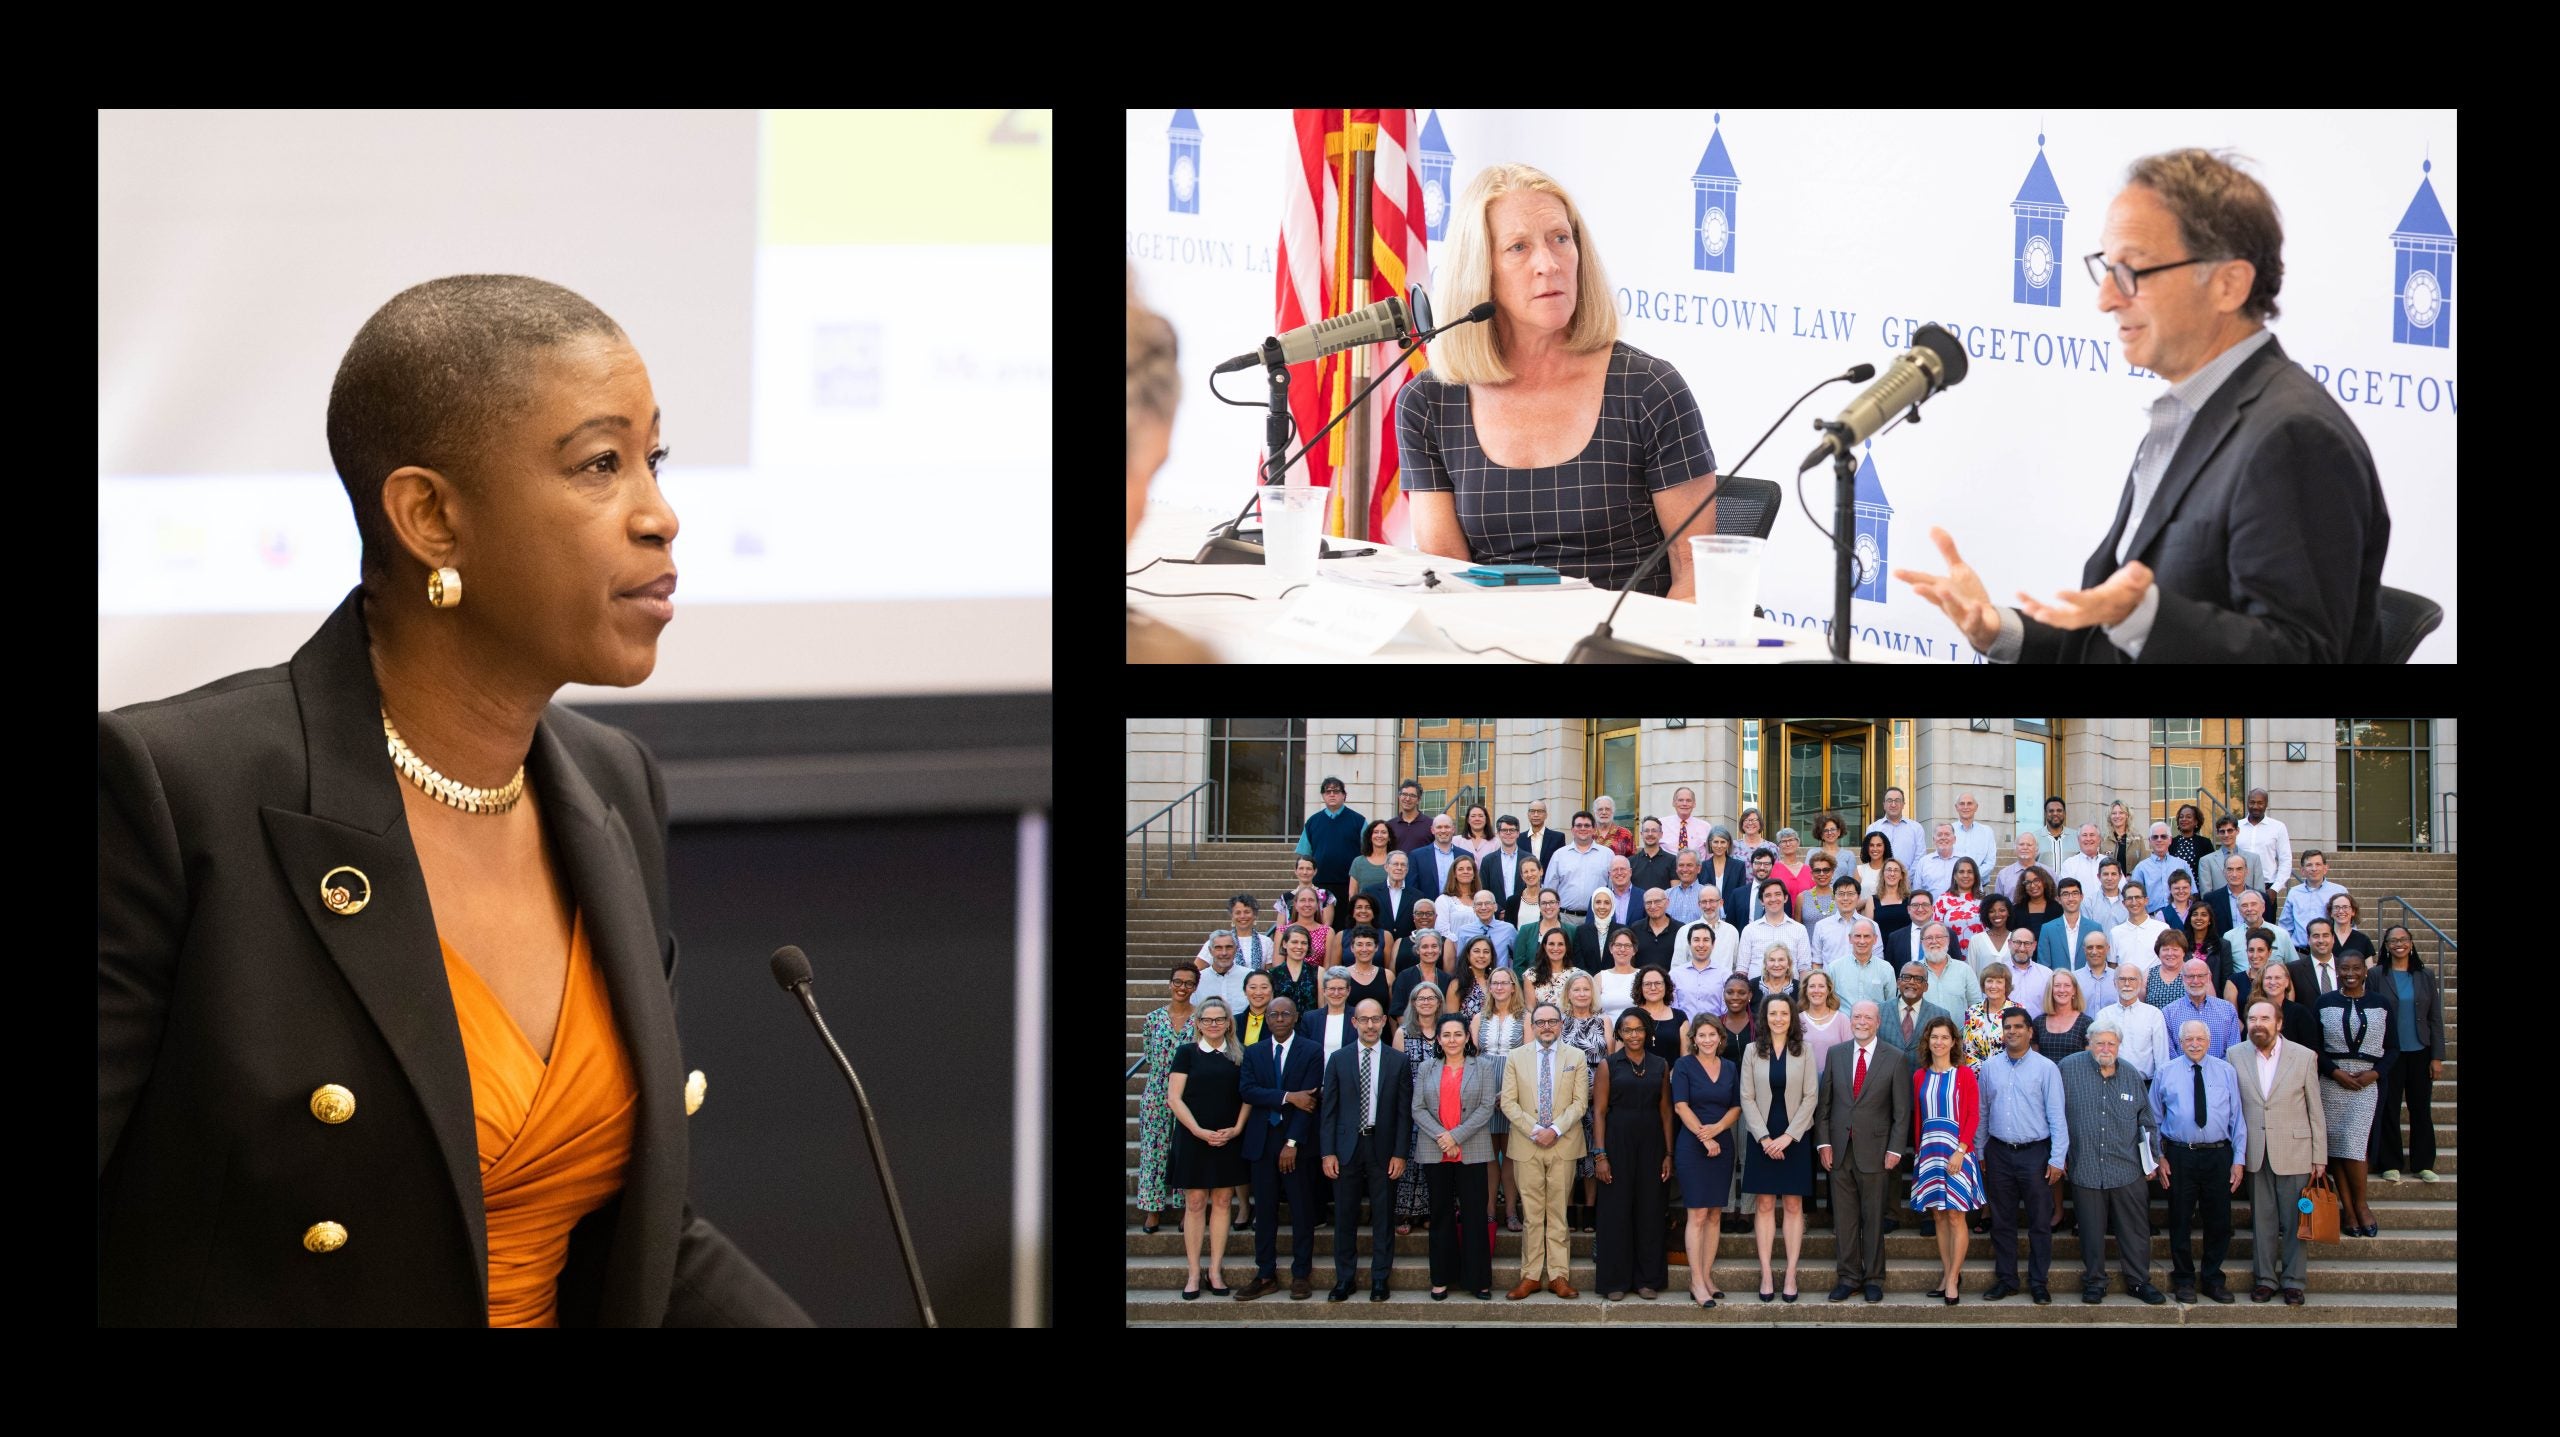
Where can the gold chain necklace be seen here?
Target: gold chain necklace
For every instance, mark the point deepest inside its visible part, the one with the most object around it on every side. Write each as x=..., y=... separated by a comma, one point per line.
x=444, y=790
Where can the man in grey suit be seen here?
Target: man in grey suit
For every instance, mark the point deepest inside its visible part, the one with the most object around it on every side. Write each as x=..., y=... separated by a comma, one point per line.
x=1900, y=1025
x=1862, y=1127
x=2252, y=528
x=2288, y=1145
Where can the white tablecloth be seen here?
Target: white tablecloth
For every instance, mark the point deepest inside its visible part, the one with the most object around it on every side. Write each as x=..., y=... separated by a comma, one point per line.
x=1538, y=623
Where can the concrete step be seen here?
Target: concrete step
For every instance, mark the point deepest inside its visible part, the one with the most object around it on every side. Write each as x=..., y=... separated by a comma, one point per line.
x=2443, y=1113
x=2415, y=1203
x=2430, y=1245
x=2446, y=1159
x=2322, y=1275
x=2331, y=1310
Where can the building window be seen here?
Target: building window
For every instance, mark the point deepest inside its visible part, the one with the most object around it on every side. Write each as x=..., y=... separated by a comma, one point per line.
x=1611, y=766
x=1453, y=760
x=1261, y=769
x=2192, y=754
x=2385, y=783
x=1902, y=763
x=1750, y=763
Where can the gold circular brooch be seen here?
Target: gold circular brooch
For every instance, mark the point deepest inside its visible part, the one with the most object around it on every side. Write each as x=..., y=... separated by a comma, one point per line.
x=339, y=899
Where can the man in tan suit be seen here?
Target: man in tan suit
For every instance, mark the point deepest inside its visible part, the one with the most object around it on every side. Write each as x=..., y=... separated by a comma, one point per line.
x=1544, y=1088
x=2288, y=1145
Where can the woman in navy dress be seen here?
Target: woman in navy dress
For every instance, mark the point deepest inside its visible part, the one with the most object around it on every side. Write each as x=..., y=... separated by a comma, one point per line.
x=1706, y=1098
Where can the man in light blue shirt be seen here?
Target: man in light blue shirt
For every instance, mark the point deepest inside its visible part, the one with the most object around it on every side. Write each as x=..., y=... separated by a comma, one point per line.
x=1697, y=980
x=2026, y=1152
x=1902, y=833
x=1950, y=985
x=1831, y=934
x=1975, y=840
x=2253, y=914
x=1579, y=867
x=2195, y=1104
x=1936, y=869
x=1681, y=898
x=1864, y=976
x=2153, y=872
x=2220, y=1019
x=1483, y=920
x=2107, y=904
x=2309, y=899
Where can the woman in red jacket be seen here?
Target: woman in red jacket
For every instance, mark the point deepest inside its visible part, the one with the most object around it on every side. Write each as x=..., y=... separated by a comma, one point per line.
x=1946, y=1113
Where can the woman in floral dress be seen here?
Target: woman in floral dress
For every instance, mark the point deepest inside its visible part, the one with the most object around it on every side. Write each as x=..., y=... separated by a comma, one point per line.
x=1585, y=1027
x=1165, y=1030
x=1421, y=1020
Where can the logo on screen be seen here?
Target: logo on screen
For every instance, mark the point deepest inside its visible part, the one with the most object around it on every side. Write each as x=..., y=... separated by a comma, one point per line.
x=1182, y=161
x=1873, y=543
x=1711, y=232
x=1436, y=164
x=2035, y=252
x=2422, y=263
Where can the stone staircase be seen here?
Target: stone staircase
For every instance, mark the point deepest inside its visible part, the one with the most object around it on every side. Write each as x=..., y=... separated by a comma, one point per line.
x=2403, y=1278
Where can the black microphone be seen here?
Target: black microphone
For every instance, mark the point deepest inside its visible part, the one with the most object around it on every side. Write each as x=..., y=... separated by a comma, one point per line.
x=791, y=970
x=1379, y=323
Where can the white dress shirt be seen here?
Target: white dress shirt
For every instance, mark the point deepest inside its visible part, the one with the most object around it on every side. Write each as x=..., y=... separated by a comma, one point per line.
x=2145, y=1035
x=1831, y=939
x=1337, y=1031
x=1228, y=985
x=2274, y=846
x=2084, y=867
x=2133, y=942
x=1763, y=932
x=1377, y=1078
x=1975, y=841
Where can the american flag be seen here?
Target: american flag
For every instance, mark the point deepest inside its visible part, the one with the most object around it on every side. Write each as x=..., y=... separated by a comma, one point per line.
x=1315, y=283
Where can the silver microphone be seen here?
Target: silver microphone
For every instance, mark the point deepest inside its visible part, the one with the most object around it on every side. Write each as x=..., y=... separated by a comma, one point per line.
x=1934, y=361
x=1378, y=323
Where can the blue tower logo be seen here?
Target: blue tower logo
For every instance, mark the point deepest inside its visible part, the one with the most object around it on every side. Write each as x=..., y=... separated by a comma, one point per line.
x=2036, y=251
x=1436, y=163
x=1715, y=182
x=1182, y=179
x=2422, y=289
x=1875, y=519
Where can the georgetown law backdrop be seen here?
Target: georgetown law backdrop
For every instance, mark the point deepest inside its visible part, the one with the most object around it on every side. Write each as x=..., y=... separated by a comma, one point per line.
x=1759, y=251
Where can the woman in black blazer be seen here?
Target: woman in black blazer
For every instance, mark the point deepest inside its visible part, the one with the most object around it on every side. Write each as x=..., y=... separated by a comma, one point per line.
x=286, y=1124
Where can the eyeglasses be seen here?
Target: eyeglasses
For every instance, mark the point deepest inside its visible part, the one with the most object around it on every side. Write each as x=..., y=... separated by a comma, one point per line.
x=2127, y=277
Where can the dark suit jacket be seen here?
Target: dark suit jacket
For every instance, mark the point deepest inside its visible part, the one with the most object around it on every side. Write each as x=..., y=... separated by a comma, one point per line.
x=1589, y=951
x=2227, y=913
x=1546, y=846
x=1505, y=886
x=1398, y=915
x=227, y=993
x=2265, y=537
x=1339, y=1131
x=1860, y=1130
x=1264, y=1088
x=1889, y=1028
x=2306, y=986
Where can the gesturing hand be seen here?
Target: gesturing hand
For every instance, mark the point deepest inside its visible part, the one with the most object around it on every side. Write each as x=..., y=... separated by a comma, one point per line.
x=1958, y=593
x=2110, y=603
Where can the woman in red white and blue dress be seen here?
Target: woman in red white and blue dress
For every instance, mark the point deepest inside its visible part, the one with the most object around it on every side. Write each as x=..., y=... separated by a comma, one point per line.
x=1946, y=1111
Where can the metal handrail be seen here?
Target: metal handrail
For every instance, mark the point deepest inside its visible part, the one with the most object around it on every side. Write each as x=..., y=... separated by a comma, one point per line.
x=1193, y=795
x=2442, y=942
x=1133, y=1069
x=2212, y=803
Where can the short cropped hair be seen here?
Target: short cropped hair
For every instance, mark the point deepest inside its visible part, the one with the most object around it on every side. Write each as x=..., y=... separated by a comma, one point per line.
x=1467, y=354
x=2222, y=213
x=444, y=367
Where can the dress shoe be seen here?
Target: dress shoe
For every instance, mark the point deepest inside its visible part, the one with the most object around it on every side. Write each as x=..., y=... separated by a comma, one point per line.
x=1300, y=1289
x=1786, y=1296
x=1150, y=1225
x=2219, y=1293
x=2428, y=1175
x=1875, y=1292
x=1561, y=1288
x=2293, y=1297
x=2262, y=1293
x=1258, y=1287
x=1647, y=1293
x=1768, y=1295
x=1892, y=1225
x=2000, y=1288
x=1439, y=1294
x=1341, y=1293
x=1484, y=1294
x=2149, y=1294
x=1217, y=1291
x=2042, y=1296
x=1527, y=1286
x=2187, y=1297
x=1377, y=1294
x=2093, y=1295
x=1619, y=1296
x=1191, y=1294
x=1844, y=1292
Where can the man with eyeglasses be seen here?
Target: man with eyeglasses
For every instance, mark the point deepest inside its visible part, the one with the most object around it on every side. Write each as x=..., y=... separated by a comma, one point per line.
x=2252, y=527
x=1544, y=1089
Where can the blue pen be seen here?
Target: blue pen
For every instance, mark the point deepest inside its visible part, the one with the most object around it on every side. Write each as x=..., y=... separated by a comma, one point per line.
x=1736, y=643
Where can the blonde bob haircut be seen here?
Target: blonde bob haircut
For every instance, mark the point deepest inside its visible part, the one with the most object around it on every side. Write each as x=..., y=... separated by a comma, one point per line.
x=1469, y=353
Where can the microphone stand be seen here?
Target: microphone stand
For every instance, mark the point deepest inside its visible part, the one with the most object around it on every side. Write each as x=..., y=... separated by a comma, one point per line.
x=1600, y=646
x=1844, y=555
x=879, y=1156
x=1225, y=547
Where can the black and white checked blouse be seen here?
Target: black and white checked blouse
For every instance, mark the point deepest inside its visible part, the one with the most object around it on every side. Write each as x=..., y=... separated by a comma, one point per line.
x=1590, y=516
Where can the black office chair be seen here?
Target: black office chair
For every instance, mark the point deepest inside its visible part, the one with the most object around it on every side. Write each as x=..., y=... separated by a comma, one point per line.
x=2406, y=618
x=1748, y=506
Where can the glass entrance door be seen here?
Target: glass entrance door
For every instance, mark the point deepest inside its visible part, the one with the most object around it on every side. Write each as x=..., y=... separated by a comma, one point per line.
x=1828, y=769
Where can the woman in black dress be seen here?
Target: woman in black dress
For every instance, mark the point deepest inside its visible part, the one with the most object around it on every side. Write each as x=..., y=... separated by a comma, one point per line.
x=2343, y=914
x=1739, y=1031
x=1209, y=1115
x=1779, y=1170
x=2190, y=845
x=1631, y=1108
x=1706, y=1096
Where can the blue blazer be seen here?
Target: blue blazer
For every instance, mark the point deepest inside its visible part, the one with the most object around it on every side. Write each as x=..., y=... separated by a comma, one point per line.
x=2052, y=935
x=1275, y=1122
x=1736, y=888
x=2265, y=537
x=1339, y=1132
x=1423, y=870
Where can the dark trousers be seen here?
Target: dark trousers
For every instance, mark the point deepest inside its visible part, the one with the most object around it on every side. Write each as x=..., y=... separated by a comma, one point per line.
x=1629, y=1250
x=1269, y=1183
x=2128, y=1210
x=1364, y=1172
x=2014, y=1175
x=1461, y=1244
x=2408, y=1076
x=1858, y=1206
x=2199, y=1177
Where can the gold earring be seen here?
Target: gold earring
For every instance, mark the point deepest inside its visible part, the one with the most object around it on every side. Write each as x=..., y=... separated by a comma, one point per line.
x=444, y=588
